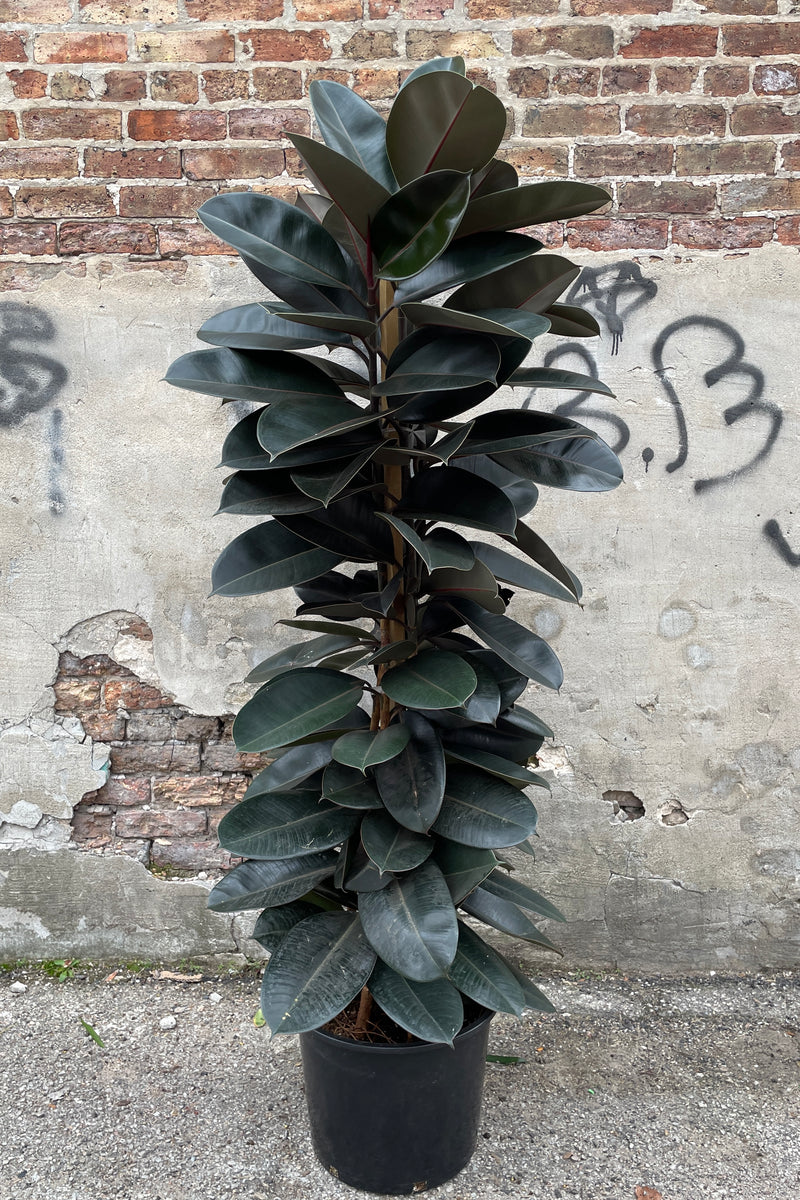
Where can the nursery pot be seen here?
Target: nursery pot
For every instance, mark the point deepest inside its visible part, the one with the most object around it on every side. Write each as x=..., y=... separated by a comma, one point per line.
x=395, y=1119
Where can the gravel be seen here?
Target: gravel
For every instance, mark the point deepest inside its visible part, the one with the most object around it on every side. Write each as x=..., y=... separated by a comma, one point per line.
x=638, y=1088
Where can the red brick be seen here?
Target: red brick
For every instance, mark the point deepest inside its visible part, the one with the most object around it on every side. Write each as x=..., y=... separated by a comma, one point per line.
x=122, y=793
x=672, y=41
x=726, y=158
x=268, y=124
x=726, y=81
x=36, y=12
x=744, y=233
x=107, y=237
x=328, y=10
x=430, y=10
x=150, y=822
x=66, y=86
x=250, y=163
x=741, y=8
x=277, y=83
x=78, y=200
x=366, y=45
x=189, y=237
x=605, y=8
x=179, y=87
x=100, y=727
x=223, y=756
x=575, y=81
x=376, y=84
x=127, y=12
x=761, y=195
x=92, y=664
x=531, y=83
x=423, y=44
x=531, y=161
x=280, y=45
x=133, y=164
x=600, y=162
x=174, y=125
x=71, y=695
x=28, y=85
x=788, y=229
x=777, y=79
x=125, y=85
x=598, y=234
x=234, y=10
x=202, y=46
x=196, y=854
x=790, y=156
x=199, y=791
x=101, y=124
x=675, y=120
x=578, y=41
x=150, y=201
x=9, y=130
x=220, y=86
x=80, y=47
x=37, y=239
x=148, y=758
x=571, y=120
x=769, y=39
x=6, y=203
x=91, y=829
x=132, y=693
x=12, y=48
x=35, y=162
x=752, y=119
x=503, y=10
x=666, y=198
x=624, y=77
x=676, y=77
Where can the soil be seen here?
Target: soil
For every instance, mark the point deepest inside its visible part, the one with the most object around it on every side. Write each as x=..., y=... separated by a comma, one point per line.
x=380, y=1029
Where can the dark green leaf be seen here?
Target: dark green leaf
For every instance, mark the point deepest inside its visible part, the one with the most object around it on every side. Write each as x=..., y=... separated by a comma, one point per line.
x=367, y=749
x=533, y=997
x=415, y=225
x=293, y=705
x=242, y=450
x=412, y=924
x=548, y=377
x=291, y=768
x=522, y=718
x=266, y=558
x=333, y=627
x=482, y=810
x=441, y=547
x=274, y=923
x=91, y=1032
x=567, y=320
x=431, y=679
x=521, y=649
x=534, y=283
x=252, y=327
x=349, y=527
x=538, y=550
x=464, y=260
x=507, y=429
x=342, y=322
x=247, y=375
x=496, y=322
x=430, y=1011
x=348, y=787
x=463, y=867
x=392, y=652
x=478, y=584
x=482, y=974
x=412, y=785
x=304, y=296
x=578, y=464
x=300, y=654
x=451, y=494
x=326, y=482
x=510, y=569
x=392, y=847
x=504, y=768
x=316, y=970
x=534, y=204
x=280, y=825
x=351, y=188
x=277, y=234
x=522, y=494
x=260, y=493
x=268, y=884
x=501, y=742
x=503, y=915
x=352, y=127
x=499, y=883
x=290, y=423
x=446, y=447
x=440, y=122
x=446, y=363
x=363, y=876
x=483, y=705
x=496, y=176
x=511, y=683
x=455, y=64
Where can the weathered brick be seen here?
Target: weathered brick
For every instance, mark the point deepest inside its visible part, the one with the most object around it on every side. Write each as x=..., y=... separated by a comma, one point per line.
x=28, y=85
x=197, y=854
x=31, y=239
x=376, y=84
x=788, y=231
x=624, y=77
x=29, y=277
x=741, y=8
x=220, y=86
x=575, y=81
x=743, y=233
x=665, y=198
x=675, y=120
x=282, y=45
x=223, y=756
x=600, y=162
x=277, y=83
x=188, y=727
x=748, y=120
x=676, y=77
x=672, y=41
x=188, y=237
x=200, y=46
x=132, y=694
x=760, y=195
x=66, y=86
x=328, y=10
x=122, y=793
x=75, y=695
x=268, y=124
x=175, y=125
x=726, y=158
x=790, y=156
x=178, y=87
x=148, y=200
x=777, y=79
x=199, y=791
x=506, y=10
x=126, y=12
x=38, y=162
x=733, y=80
x=6, y=203
x=325, y=72
x=250, y=163
x=531, y=83
x=78, y=200
x=546, y=159
x=770, y=39
x=36, y=12
x=92, y=664
x=99, y=124
x=605, y=8
x=571, y=120
x=594, y=233
x=577, y=41
x=233, y=10
x=133, y=164
x=154, y=725
x=154, y=822
x=366, y=45
x=9, y=130
x=99, y=726
x=12, y=47
x=125, y=85
x=80, y=47
x=423, y=44
x=148, y=758
x=91, y=828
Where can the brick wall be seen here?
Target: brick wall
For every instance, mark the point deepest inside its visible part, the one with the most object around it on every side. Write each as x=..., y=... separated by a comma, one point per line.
x=119, y=117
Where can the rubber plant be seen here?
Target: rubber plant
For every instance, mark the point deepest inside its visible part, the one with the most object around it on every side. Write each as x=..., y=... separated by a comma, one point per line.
x=396, y=503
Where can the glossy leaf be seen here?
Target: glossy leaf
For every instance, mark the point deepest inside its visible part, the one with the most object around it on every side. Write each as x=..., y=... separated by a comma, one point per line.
x=300, y=654
x=522, y=494
x=478, y=584
x=268, y=884
x=411, y=786
x=341, y=322
x=495, y=322
x=431, y=1011
x=367, y=749
x=522, y=718
x=507, y=429
x=499, y=883
x=416, y=224
x=512, y=683
x=440, y=548
x=252, y=327
x=482, y=974
x=482, y=810
x=483, y=705
x=392, y=652
x=277, y=234
x=316, y=970
x=266, y=558
x=503, y=743
x=274, y=923
x=567, y=320
x=578, y=464
x=283, y=825
x=262, y=493
x=392, y=847
x=352, y=127
x=455, y=64
x=333, y=627
x=431, y=679
x=451, y=494
x=534, y=283
x=464, y=260
x=548, y=377
x=304, y=296
x=503, y=768
x=440, y=122
x=354, y=190
x=463, y=867
x=325, y=483
x=349, y=527
x=533, y=204
x=348, y=787
x=538, y=551
x=288, y=424
x=362, y=875
x=496, y=176
x=513, y=570
x=247, y=375
x=503, y=915
x=516, y=645
x=293, y=705
x=450, y=362
x=291, y=768
x=412, y=924
x=534, y=998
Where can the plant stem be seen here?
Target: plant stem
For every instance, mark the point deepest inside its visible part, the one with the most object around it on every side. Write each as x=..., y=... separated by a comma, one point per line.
x=364, y=1010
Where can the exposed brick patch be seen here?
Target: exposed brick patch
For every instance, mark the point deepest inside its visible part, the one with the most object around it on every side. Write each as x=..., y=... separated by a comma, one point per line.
x=571, y=120
x=600, y=234
x=34, y=162
x=107, y=237
x=249, y=163
x=28, y=85
x=12, y=48
x=770, y=39
x=750, y=120
x=777, y=79
x=625, y=78
x=175, y=125
x=726, y=81
x=666, y=198
x=727, y=158
x=80, y=48
x=71, y=201
x=72, y=124
x=577, y=41
x=676, y=77
x=673, y=41
x=281, y=45
x=133, y=164
x=599, y=162
x=744, y=233
x=28, y=239
x=675, y=120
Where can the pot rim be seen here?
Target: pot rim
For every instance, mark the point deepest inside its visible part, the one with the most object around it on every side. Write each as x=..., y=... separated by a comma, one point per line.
x=418, y=1047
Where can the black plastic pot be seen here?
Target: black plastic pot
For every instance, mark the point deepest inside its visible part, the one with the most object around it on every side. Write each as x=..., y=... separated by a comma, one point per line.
x=395, y=1119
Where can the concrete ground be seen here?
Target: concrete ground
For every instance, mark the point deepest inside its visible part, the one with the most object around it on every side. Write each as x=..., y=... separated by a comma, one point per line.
x=639, y=1089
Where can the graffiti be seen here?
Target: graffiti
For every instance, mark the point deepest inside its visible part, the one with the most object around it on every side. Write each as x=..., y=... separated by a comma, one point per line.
x=613, y=293
x=54, y=431
x=774, y=533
